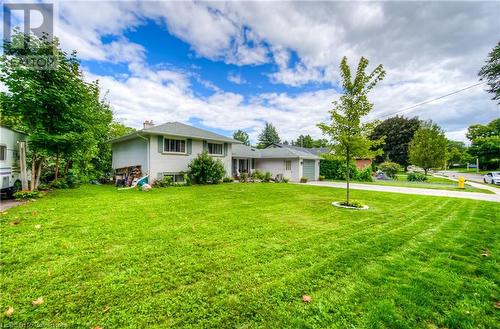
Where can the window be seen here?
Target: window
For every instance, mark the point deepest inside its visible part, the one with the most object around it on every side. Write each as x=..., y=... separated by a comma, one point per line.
x=3, y=152
x=288, y=164
x=174, y=145
x=215, y=148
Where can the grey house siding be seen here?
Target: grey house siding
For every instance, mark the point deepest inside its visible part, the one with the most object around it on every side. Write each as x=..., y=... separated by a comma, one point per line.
x=130, y=153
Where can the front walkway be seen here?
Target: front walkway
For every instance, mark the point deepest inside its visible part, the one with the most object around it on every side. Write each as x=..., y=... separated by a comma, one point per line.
x=411, y=190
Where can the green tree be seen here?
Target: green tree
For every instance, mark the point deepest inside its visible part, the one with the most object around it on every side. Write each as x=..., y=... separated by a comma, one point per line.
x=428, y=147
x=485, y=143
x=63, y=115
x=456, y=153
x=118, y=129
x=491, y=72
x=242, y=136
x=309, y=142
x=268, y=136
x=348, y=136
x=397, y=132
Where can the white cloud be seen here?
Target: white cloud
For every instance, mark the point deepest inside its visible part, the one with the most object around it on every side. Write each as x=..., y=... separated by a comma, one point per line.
x=236, y=78
x=428, y=49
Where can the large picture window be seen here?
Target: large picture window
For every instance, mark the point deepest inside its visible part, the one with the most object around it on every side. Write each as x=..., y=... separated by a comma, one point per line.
x=174, y=145
x=215, y=148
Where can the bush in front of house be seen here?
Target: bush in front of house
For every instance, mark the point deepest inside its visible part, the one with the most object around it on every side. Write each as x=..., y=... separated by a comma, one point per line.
x=257, y=175
x=303, y=180
x=244, y=177
x=321, y=177
x=206, y=170
x=335, y=169
x=416, y=177
x=390, y=168
x=364, y=175
x=267, y=177
x=227, y=180
x=27, y=195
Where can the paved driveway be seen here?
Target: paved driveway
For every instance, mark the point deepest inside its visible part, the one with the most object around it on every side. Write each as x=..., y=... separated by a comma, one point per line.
x=468, y=176
x=412, y=190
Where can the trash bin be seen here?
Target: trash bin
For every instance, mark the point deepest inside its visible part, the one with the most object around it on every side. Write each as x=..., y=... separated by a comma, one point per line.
x=461, y=182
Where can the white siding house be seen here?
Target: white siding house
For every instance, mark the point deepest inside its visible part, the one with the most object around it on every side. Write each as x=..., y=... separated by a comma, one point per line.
x=168, y=149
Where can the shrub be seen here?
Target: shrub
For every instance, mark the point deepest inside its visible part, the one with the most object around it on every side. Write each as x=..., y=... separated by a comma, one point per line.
x=59, y=183
x=244, y=177
x=227, y=180
x=27, y=195
x=303, y=180
x=321, y=177
x=416, y=177
x=165, y=182
x=43, y=187
x=205, y=169
x=267, y=177
x=364, y=175
x=335, y=169
x=257, y=174
x=389, y=168
x=352, y=203
x=286, y=180
x=72, y=179
x=187, y=179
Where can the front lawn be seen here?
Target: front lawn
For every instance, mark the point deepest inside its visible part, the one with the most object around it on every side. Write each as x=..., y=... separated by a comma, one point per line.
x=243, y=255
x=435, y=183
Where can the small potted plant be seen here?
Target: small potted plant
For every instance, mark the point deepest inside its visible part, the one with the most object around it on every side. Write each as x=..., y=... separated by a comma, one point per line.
x=303, y=180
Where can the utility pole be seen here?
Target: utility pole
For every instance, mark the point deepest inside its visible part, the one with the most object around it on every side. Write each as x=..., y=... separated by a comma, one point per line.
x=22, y=164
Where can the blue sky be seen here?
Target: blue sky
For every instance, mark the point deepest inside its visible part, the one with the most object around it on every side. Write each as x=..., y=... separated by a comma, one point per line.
x=227, y=66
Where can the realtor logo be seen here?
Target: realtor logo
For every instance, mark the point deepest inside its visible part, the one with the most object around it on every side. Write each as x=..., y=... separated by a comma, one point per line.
x=36, y=18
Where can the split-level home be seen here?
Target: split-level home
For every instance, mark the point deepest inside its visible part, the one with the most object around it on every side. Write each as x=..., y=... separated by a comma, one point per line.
x=167, y=149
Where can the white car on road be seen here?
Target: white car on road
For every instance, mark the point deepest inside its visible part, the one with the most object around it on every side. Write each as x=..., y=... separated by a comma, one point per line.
x=492, y=178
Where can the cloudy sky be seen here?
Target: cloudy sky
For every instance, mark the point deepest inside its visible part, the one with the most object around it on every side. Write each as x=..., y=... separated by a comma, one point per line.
x=228, y=66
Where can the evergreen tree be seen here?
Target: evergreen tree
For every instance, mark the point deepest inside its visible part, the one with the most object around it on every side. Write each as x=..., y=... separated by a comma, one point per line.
x=268, y=136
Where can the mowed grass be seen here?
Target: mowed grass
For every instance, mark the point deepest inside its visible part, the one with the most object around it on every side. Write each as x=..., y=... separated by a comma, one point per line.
x=243, y=255
x=433, y=182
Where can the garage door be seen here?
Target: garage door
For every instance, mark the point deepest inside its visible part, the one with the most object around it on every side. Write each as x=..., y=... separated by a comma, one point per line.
x=309, y=169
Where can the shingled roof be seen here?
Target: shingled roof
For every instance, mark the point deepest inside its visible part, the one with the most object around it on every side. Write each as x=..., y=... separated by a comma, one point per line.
x=178, y=129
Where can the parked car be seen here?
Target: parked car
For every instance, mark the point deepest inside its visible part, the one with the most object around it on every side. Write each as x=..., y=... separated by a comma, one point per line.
x=492, y=178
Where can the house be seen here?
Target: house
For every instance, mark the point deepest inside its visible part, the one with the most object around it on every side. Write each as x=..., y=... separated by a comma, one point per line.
x=360, y=163
x=9, y=159
x=167, y=150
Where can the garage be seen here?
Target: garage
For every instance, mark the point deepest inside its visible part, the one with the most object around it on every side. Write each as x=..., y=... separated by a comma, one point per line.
x=309, y=169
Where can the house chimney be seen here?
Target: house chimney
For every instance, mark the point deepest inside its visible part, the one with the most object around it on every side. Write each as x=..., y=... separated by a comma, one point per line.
x=148, y=124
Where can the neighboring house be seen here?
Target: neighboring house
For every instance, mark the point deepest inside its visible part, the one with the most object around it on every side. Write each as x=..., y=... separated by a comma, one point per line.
x=9, y=159
x=167, y=150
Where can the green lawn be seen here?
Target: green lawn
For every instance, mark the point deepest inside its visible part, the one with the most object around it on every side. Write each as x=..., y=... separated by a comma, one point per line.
x=435, y=183
x=243, y=255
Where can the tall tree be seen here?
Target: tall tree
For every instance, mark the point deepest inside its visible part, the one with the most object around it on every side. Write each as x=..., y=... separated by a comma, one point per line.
x=456, y=153
x=491, y=72
x=485, y=143
x=309, y=142
x=397, y=132
x=62, y=114
x=268, y=136
x=428, y=147
x=242, y=136
x=348, y=136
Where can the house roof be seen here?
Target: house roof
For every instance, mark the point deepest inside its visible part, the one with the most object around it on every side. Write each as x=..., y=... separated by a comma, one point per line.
x=179, y=130
x=244, y=151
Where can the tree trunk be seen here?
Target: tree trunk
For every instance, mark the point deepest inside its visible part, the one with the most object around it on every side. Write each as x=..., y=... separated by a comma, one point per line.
x=57, y=167
x=425, y=171
x=33, y=172
x=347, y=176
x=38, y=173
x=66, y=167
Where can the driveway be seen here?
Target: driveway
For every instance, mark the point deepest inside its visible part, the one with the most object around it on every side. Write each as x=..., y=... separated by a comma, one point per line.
x=468, y=176
x=8, y=203
x=412, y=190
